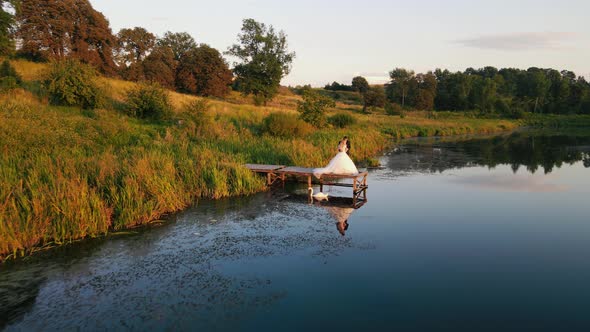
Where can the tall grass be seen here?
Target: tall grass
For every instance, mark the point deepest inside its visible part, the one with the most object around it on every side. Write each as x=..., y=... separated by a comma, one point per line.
x=66, y=174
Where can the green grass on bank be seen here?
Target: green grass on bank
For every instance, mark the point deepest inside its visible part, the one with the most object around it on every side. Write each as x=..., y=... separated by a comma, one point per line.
x=67, y=174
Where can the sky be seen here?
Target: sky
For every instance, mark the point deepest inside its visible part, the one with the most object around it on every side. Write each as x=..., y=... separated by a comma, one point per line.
x=337, y=40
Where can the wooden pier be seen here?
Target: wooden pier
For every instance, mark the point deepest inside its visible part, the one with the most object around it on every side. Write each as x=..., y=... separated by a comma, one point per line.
x=281, y=173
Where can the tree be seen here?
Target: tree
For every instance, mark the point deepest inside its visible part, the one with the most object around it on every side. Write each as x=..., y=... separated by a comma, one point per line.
x=203, y=71
x=426, y=93
x=43, y=27
x=6, y=27
x=313, y=107
x=91, y=38
x=360, y=84
x=537, y=86
x=57, y=29
x=399, y=86
x=483, y=94
x=264, y=59
x=373, y=97
x=133, y=45
x=160, y=67
x=179, y=42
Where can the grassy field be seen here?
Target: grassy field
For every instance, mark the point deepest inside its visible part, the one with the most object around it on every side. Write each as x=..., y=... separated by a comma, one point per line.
x=67, y=174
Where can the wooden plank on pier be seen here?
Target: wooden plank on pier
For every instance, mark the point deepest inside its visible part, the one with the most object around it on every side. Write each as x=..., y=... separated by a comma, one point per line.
x=276, y=172
x=295, y=170
x=261, y=168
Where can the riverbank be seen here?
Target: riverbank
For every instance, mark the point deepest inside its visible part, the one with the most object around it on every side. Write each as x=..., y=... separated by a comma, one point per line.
x=67, y=174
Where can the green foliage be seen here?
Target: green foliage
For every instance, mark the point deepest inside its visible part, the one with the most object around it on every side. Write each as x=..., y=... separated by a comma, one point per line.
x=6, y=28
x=313, y=108
x=372, y=162
x=393, y=109
x=335, y=86
x=9, y=78
x=149, y=101
x=373, y=97
x=360, y=84
x=179, y=42
x=346, y=97
x=71, y=83
x=511, y=92
x=402, y=81
x=133, y=45
x=197, y=112
x=285, y=125
x=264, y=58
x=342, y=120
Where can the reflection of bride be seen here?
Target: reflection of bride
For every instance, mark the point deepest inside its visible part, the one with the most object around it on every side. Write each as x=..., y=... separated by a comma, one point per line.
x=340, y=164
x=341, y=215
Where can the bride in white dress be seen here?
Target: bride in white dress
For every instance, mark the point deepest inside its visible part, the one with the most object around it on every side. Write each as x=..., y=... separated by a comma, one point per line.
x=340, y=164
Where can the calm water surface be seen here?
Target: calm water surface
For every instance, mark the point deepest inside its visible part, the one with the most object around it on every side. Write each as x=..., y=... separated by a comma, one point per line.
x=474, y=234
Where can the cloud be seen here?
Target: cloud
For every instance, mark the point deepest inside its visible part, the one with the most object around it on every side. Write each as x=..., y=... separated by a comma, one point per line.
x=528, y=183
x=375, y=77
x=522, y=41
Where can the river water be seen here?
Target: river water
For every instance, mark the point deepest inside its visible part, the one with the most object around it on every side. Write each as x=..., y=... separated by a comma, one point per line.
x=477, y=233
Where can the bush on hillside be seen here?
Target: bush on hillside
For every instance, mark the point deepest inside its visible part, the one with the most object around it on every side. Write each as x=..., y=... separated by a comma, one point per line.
x=393, y=109
x=285, y=125
x=341, y=120
x=149, y=101
x=313, y=108
x=9, y=78
x=71, y=83
x=197, y=113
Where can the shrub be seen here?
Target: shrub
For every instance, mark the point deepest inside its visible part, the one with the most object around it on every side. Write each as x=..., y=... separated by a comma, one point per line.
x=259, y=100
x=313, y=108
x=71, y=83
x=8, y=83
x=197, y=112
x=510, y=109
x=342, y=120
x=9, y=78
x=148, y=101
x=285, y=125
x=393, y=109
x=372, y=162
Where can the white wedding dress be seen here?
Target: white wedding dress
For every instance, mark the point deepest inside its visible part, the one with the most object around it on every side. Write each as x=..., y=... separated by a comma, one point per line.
x=340, y=164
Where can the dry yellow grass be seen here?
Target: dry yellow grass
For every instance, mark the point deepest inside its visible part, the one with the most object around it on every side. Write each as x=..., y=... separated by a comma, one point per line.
x=29, y=71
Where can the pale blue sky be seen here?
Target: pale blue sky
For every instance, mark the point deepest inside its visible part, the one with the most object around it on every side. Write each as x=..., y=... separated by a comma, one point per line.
x=336, y=40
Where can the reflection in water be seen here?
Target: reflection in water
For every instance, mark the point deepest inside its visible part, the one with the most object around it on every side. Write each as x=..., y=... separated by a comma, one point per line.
x=339, y=208
x=18, y=290
x=341, y=214
x=518, y=149
x=501, y=182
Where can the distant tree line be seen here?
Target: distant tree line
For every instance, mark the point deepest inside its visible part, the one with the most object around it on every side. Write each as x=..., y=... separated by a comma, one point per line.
x=335, y=86
x=512, y=90
x=508, y=91
x=56, y=30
